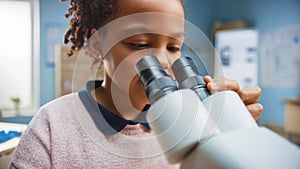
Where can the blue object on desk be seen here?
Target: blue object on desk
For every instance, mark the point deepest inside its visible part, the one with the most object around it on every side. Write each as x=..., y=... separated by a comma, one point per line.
x=9, y=135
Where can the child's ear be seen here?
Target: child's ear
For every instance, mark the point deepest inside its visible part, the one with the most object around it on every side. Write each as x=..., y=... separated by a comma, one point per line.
x=94, y=45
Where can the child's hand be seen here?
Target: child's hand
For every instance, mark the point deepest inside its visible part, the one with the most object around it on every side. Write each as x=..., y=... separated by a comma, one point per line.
x=249, y=95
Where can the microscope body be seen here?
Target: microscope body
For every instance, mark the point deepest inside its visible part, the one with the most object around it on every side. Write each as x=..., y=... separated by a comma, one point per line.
x=200, y=130
x=196, y=141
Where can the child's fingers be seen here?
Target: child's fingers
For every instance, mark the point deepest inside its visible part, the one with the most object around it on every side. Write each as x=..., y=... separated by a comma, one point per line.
x=255, y=110
x=250, y=95
x=207, y=79
x=221, y=84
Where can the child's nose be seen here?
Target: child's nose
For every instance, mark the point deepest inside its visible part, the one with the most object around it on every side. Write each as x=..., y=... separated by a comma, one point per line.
x=170, y=72
x=166, y=61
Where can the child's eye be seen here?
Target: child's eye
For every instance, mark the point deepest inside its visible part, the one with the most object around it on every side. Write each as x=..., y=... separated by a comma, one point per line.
x=139, y=46
x=173, y=49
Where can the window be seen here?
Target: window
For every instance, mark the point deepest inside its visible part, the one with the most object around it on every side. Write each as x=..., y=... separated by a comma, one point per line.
x=19, y=51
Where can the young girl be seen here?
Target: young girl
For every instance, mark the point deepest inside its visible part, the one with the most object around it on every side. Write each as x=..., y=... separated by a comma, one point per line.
x=87, y=129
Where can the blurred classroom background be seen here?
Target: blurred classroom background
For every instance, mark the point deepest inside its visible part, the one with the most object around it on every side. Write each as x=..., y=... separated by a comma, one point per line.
x=272, y=54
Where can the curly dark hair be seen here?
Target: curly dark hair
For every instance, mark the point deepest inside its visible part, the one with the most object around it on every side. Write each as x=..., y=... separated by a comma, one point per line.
x=86, y=16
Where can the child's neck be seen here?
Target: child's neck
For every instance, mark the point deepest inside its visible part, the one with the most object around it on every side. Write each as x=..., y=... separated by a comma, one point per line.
x=118, y=102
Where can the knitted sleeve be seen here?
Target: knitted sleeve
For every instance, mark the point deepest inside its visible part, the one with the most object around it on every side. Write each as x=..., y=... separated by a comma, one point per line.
x=34, y=149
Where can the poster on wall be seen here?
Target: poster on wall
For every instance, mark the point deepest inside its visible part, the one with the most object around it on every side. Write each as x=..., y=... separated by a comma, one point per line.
x=281, y=57
x=237, y=56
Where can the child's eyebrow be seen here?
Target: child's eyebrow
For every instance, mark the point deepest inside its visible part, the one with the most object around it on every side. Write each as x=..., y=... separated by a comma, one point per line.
x=178, y=35
x=138, y=29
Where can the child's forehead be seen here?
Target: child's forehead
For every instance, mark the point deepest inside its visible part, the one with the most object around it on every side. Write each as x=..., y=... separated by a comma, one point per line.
x=141, y=23
x=148, y=22
x=127, y=7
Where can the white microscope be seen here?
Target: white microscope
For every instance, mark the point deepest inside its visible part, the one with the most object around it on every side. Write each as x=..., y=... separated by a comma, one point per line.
x=202, y=130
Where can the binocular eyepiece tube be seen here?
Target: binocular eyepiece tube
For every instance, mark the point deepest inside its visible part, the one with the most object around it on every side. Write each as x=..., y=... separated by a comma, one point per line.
x=156, y=81
x=188, y=77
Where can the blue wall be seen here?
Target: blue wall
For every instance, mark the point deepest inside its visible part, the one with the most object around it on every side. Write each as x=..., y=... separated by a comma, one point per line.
x=263, y=14
x=199, y=12
x=51, y=15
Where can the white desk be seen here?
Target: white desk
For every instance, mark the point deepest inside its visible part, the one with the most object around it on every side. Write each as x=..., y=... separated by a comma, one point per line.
x=6, y=148
x=11, y=144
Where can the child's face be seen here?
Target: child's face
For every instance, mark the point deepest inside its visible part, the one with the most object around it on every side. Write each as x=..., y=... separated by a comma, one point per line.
x=158, y=44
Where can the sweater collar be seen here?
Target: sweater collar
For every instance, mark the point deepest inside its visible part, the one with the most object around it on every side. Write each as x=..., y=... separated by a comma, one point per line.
x=107, y=122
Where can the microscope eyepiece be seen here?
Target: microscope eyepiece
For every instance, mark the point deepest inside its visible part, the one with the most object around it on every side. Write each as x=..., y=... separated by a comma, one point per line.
x=155, y=80
x=188, y=77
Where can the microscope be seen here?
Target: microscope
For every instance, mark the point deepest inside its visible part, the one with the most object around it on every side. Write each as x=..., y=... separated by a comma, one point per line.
x=202, y=130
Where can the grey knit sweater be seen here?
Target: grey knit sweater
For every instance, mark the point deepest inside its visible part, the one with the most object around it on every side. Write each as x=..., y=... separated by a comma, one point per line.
x=63, y=135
